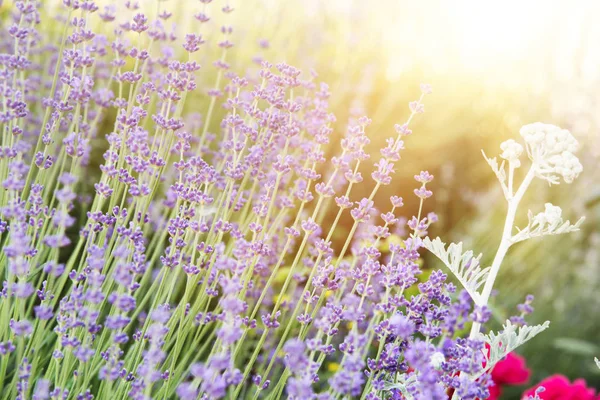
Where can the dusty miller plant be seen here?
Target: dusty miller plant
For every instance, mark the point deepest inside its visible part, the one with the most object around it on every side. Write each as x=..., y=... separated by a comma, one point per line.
x=550, y=150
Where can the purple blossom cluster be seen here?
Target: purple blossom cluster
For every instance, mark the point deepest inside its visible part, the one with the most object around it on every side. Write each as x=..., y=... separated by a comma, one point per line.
x=165, y=237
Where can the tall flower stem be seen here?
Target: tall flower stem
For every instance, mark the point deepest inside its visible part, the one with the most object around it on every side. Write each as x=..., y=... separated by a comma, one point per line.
x=505, y=243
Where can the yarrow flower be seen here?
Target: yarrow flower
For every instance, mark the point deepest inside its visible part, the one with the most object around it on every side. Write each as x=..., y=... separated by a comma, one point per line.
x=511, y=151
x=552, y=151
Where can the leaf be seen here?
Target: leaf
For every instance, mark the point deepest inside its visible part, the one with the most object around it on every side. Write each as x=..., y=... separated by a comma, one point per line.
x=535, y=228
x=510, y=338
x=499, y=171
x=464, y=266
x=402, y=385
x=576, y=346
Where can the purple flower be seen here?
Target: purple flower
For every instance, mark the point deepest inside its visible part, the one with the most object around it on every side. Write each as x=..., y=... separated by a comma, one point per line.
x=481, y=314
x=349, y=378
x=423, y=193
x=6, y=348
x=187, y=391
x=43, y=312
x=424, y=177
x=42, y=390
x=396, y=201
x=401, y=326
x=295, y=358
x=161, y=314
x=21, y=328
x=362, y=211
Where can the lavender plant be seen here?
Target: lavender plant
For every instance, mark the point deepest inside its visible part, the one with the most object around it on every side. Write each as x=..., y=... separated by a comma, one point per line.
x=197, y=259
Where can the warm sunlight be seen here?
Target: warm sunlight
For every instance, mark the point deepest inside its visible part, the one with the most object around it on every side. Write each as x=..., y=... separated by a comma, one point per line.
x=510, y=38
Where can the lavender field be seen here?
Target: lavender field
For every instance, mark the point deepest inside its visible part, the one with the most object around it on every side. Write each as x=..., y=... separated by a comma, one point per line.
x=300, y=199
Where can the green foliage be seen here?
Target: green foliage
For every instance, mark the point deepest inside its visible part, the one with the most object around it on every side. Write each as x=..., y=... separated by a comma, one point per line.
x=511, y=337
x=464, y=266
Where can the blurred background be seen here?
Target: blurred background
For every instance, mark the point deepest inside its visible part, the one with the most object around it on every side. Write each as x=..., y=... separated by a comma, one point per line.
x=494, y=66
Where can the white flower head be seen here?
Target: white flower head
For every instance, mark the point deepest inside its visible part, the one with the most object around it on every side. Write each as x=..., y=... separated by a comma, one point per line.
x=551, y=149
x=547, y=222
x=511, y=151
x=553, y=214
x=436, y=360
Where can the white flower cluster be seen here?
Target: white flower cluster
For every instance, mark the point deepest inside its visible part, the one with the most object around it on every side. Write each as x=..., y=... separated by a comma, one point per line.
x=511, y=151
x=551, y=150
x=551, y=215
x=548, y=222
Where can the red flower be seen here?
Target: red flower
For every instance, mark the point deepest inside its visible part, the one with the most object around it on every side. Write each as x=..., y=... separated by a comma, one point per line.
x=558, y=387
x=495, y=392
x=509, y=371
